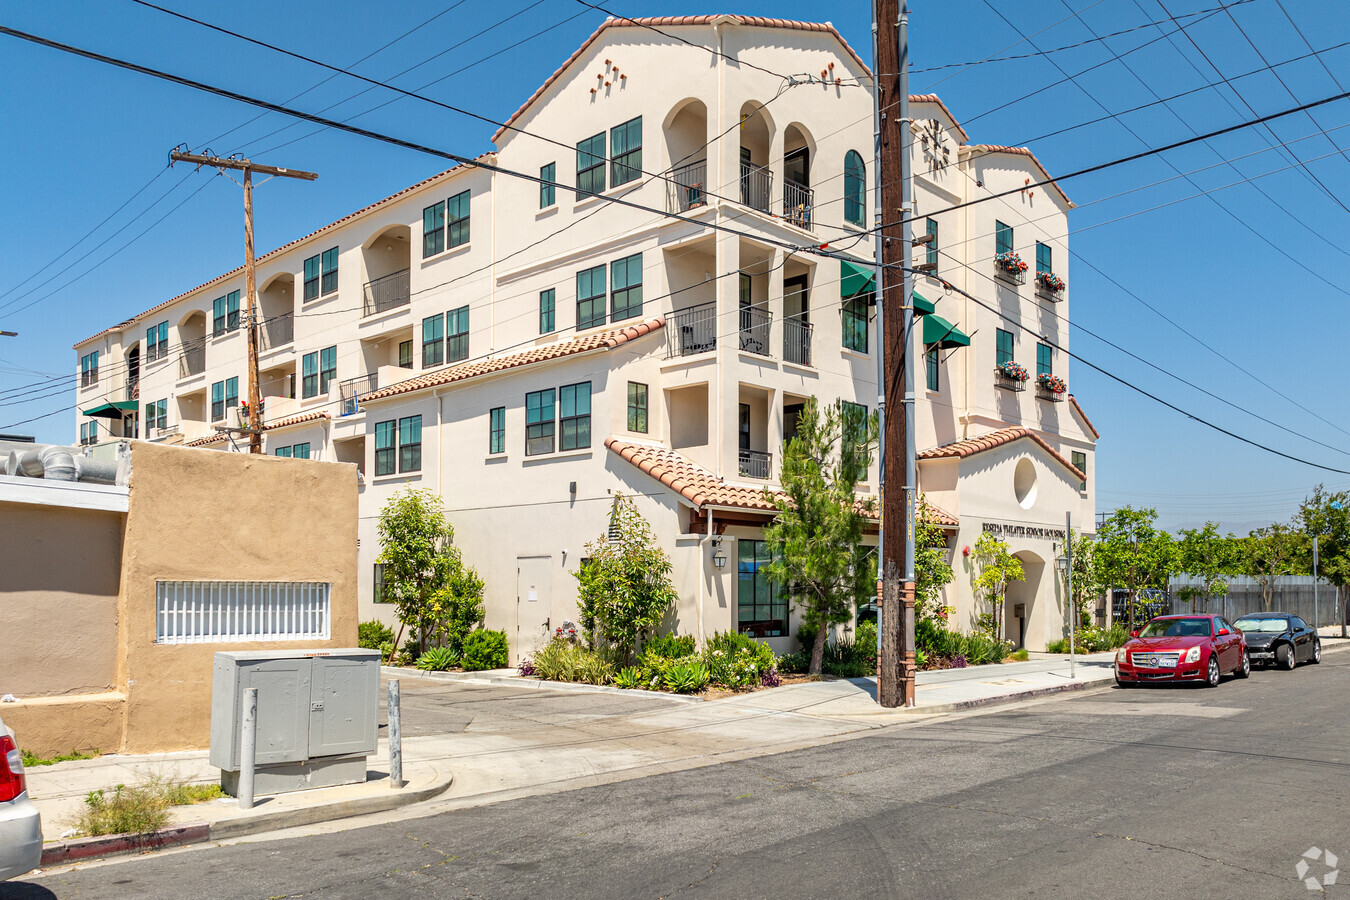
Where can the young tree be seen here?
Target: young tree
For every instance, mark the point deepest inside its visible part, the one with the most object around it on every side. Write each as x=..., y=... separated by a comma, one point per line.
x=1133, y=554
x=625, y=589
x=931, y=570
x=816, y=550
x=1087, y=577
x=1210, y=556
x=1327, y=515
x=997, y=569
x=1269, y=553
x=435, y=593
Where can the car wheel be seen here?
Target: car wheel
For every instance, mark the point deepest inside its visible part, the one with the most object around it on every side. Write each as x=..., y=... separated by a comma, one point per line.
x=1212, y=675
x=1245, y=667
x=1317, y=651
x=1123, y=684
x=1285, y=657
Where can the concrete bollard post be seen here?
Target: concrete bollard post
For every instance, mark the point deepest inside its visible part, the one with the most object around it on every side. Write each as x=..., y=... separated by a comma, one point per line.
x=248, y=751
x=395, y=738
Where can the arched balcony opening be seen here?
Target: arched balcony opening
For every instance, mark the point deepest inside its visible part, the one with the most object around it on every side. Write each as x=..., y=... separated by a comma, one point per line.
x=798, y=199
x=686, y=134
x=756, y=187
x=276, y=304
x=192, y=340
x=388, y=260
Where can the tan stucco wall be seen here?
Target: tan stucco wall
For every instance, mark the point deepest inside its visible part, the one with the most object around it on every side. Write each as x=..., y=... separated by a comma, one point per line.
x=201, y=515
x=48, y=726
x=59, y=576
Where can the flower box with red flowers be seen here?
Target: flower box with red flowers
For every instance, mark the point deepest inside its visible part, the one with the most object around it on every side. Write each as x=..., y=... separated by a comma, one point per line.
x=1050, y=283
x=1010, y=267
x=1051, y=383
x=1014, y=371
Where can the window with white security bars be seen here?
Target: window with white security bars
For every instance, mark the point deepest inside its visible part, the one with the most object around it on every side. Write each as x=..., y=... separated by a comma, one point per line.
x=208, y=612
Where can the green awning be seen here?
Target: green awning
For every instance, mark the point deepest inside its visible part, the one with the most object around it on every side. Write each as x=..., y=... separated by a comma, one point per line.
x=923, y=307
x=114, y=410
x=937, y=330
x=855, y=279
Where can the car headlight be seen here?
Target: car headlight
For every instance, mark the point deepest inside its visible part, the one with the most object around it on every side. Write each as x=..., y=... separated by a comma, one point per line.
x=1193, y=654
x=1122, y=655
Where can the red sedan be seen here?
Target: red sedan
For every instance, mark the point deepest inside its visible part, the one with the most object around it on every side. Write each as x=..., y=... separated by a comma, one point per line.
x=1183, y=648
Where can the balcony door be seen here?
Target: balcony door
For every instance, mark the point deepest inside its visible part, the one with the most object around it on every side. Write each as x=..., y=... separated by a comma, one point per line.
x=796, y=168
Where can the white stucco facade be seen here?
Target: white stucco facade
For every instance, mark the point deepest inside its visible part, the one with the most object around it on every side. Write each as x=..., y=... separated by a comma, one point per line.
x=725, y=318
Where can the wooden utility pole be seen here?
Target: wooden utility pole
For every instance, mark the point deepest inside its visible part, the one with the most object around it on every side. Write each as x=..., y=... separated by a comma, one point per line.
x=895, y=681
x=248, y=167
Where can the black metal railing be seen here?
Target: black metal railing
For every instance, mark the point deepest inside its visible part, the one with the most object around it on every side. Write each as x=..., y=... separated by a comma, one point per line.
x=687, y=188
x=193, y=359
x=1044, y=393
x=796, y=341
x=277, y=331
x=353, y=389
x=384, y=294
x=1008, y=383
x=691, y=330
x=755, y=324
x=756, y=464
x=756, y=186
x=1011, y=276
x=798, y=203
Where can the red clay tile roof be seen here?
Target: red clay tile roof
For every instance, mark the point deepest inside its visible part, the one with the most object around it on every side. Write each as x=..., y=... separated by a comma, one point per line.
x=934, y=98
x=605, y=340
x=283, y=248
x=204, y=441
x=660, y=21
x=1073, y=401
x=312, y=416
x=971, y=446
x=1023, y=151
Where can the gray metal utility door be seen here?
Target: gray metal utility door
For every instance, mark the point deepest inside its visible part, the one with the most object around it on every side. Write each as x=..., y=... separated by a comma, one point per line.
x=283, y=703
x=534, y=603
x=343, y=696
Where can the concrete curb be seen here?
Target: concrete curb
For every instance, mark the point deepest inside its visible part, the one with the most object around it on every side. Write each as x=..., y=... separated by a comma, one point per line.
x=535, y=683
x=81, y=849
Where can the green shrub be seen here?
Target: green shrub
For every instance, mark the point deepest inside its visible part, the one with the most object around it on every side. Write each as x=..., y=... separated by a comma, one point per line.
x=794, y=663
x=669, y=646
x=563, y=660
x=737, y=660
x=1019, y=655
x=628, y=678
x=127, y=810
x=687, y=677
x=387, y=652
x=981, y=650
x=370, y=635
x=920, y=658
x=865, y=636
x=485, y=649
x=438, y=659
x=1060, y=646
x=806, y=635
x=843, y=660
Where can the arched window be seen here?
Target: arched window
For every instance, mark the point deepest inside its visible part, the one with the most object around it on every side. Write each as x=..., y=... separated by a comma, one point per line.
x=855, y=190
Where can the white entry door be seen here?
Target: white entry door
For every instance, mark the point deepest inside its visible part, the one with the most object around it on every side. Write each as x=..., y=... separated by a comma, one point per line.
x=534, y=604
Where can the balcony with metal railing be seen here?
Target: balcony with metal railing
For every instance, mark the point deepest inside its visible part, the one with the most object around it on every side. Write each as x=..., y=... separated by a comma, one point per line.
x=798, y=204
x=756, y=321
x=192, y=360
x=277, y=331
x=384, y=294
x=796, y=341
x=756, y=186
x=755, y=464
x=352, y=390
x=687, y=187
x=691, y=330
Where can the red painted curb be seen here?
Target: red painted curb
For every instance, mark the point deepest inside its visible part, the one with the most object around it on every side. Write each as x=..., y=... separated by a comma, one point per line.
x=87, y=848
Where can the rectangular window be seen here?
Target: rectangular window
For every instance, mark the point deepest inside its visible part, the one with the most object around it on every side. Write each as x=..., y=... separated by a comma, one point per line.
x=637, y=407
x=574, y=416
x=1079, y=460
x=1004, y=350
x=231, y=393
x=548, y=192
x=386, y=434
x=89, y=369
x=625, y=142
x=855, y=322
x=626, y=287
x=1043, y=364
x=379, y=593
x=591, y=165
x=852, y=421
x=157, y=414
x=932, y=246
x=210, y=612
x=761, y=610
x=457, y=334
x=410, y=444
x=1003, y=238
x=327, y=368
x=309, y=378
x=457, y=219
x=497, y=430
x=224, y=394
x=330, y=271
x=311, y=278
x=282, y=452
x=1043, y=258
x=547, y=310
x=591, y=297
x=433, y=230
x=157, y=341
x=300, y=451
x=225, y=313
x=405, y=354
x=433, y=341
x=539, y=422
x=932, y=364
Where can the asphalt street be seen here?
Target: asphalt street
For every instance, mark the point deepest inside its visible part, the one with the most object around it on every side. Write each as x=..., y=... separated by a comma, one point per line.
x=1145, y=793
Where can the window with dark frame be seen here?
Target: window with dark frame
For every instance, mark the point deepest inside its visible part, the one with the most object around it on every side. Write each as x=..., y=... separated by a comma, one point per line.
x=932, y=361
x=1079, y=460
x=625, y=142
x=855, y=188
x=433, y=341
x=327, y=368
x=854, y=316
x=591, y=297
x=547, y=310
x=89, y=369
x=330, y=271
x=378, y=593
x=1003, y=238
x=386, y=439
x=156, y=415
x=931, y=229
x=1004, y=347
x=311, y=283
x=405, y=354
x=637, y=407
x=1043, y=258
x=157, y=341
x=497, y=430
x=539, y=422
x=433, y=229
x=591, y=165
x=224, y=395
x=457, y=219
x=574, y=416
x=284, y=452
x=626, y=288
x=410, y=444
x=548, y=192
x=225, y=313
x=457, y=334
x=761, y=610
x=852, y=421
x=1044, y=365
x=309, y=375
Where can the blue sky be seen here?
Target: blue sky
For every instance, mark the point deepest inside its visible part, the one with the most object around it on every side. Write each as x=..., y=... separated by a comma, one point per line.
x=1263, y=282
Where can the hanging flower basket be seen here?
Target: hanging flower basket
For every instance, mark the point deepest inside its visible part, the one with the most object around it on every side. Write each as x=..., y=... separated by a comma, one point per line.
x=1050, y=282
x=1013, y=371
x=1051, y=383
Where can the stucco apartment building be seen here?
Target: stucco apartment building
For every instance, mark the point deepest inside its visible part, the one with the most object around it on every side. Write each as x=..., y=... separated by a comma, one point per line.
x=528, y=351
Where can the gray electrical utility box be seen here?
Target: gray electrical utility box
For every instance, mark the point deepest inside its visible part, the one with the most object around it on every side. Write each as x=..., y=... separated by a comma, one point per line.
x=317, y=713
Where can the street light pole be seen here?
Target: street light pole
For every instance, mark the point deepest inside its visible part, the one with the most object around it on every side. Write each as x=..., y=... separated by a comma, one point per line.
x=1068, y=581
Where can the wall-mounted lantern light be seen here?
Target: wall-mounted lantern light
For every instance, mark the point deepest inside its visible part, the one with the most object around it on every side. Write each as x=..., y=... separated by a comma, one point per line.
x=719, y=558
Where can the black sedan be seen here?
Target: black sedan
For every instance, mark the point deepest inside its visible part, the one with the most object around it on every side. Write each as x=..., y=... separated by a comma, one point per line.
x=1280, y=638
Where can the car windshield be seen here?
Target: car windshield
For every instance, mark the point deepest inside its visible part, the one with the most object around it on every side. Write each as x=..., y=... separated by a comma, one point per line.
x=1270, y=626
x=1177, y=628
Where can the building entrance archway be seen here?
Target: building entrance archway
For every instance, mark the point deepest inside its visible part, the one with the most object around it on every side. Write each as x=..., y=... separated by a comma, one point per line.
x=1021, y=623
